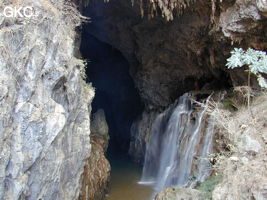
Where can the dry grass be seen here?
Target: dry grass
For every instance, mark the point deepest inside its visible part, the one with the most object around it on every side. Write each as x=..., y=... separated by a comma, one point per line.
x=241, y=139
x=49, y=9
x=20, y=35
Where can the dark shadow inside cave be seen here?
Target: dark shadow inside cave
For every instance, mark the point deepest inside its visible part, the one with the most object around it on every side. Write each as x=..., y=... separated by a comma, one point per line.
x=108, y=71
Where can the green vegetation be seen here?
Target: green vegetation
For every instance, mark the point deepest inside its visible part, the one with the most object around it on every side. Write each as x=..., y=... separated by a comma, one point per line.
x=208, y=186
x=255, y=60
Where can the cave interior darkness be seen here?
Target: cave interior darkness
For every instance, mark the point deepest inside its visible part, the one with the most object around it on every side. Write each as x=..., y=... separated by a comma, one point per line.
x=108, y=71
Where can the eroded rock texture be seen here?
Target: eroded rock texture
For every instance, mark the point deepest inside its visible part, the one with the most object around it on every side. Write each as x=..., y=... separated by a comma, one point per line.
x=238, y=24
x=44, y=105
x=96, y=173
x=99, y=125
x=242, y=18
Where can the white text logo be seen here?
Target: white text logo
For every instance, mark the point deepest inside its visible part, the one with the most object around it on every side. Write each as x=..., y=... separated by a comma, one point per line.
x=15, y=12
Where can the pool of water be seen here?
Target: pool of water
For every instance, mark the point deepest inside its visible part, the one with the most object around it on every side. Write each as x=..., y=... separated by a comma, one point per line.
x=124, y=177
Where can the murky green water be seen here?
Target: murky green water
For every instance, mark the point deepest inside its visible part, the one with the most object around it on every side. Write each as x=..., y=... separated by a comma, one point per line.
x=124, y=177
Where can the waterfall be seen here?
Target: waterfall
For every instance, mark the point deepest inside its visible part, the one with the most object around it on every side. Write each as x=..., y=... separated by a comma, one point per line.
x=180, y=141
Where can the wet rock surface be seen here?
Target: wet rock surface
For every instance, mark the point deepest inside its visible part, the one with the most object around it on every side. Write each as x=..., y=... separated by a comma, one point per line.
x=140, y=134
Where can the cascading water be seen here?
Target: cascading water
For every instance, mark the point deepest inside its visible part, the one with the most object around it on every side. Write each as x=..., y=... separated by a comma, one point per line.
x=180, y=141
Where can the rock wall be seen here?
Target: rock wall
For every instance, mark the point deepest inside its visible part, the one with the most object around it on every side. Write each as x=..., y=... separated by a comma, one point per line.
x=44, y=104
x=140, y=134
x=241, y=18
x=238, y=24
x=99, y=125
x=96, y=173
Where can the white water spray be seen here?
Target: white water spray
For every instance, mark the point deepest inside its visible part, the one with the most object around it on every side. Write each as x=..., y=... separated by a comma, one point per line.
x=179, y=142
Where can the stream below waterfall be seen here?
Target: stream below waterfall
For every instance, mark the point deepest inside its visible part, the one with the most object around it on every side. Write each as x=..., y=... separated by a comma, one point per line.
x=176, y=155
x=125, y=175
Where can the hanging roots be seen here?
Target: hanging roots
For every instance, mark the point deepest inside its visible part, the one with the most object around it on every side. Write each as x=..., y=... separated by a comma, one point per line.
x=167, y=7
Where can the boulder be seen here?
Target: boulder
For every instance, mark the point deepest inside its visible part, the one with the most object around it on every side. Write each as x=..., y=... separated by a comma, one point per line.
x=172, y=193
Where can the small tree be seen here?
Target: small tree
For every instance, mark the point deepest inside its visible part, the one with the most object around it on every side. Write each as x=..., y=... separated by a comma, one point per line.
x=256, y=62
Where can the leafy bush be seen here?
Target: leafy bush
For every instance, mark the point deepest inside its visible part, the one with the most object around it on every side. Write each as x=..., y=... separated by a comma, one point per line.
x=255, y=60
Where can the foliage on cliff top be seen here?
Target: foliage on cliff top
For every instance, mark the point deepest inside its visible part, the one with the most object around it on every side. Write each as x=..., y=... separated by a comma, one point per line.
x=254, y=59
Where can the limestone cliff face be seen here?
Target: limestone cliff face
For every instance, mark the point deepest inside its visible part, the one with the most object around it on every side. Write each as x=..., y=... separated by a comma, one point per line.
x=44, y=104
x=242, y=18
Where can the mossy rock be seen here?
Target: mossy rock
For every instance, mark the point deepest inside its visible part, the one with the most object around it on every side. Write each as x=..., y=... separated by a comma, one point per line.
x=208, y=186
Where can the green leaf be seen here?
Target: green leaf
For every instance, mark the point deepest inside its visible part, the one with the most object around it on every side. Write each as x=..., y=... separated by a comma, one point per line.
x=236, y=58
x=262, y=82
x=250, y=57
x=254, y=59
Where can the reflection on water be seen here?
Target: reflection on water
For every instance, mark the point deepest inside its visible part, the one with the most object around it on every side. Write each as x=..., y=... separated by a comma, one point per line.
x=124, y=177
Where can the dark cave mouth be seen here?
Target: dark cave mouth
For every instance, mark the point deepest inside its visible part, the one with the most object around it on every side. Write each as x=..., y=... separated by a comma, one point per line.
x=116, y=94
x=108, y=71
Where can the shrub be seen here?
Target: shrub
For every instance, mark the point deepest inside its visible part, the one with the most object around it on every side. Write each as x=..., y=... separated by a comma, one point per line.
x=255, y=60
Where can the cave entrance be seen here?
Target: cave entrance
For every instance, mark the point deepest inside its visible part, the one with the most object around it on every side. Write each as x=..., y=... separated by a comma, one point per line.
x=108, y=71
